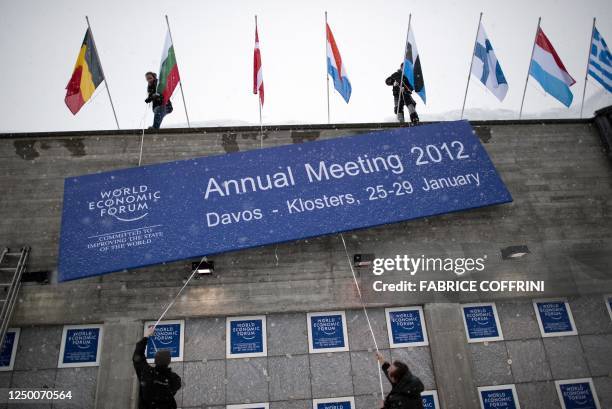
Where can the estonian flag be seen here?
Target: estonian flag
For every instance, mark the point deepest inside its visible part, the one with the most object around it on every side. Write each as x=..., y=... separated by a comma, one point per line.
x=412, y=66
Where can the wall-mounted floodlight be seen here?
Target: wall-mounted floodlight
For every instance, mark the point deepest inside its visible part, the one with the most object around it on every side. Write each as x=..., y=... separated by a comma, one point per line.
x=514, y=252
x=204, y=267
x=363, y=260
x=40, y=277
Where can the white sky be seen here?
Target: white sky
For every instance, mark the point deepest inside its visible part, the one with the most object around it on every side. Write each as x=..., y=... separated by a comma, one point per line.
x=214, y=47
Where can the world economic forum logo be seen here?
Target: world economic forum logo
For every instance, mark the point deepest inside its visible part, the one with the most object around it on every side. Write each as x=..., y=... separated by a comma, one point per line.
x=166, y=335
x=127, y=203
x=83, y=339
x=405, y=321
x=246, y=330
x=327, y=325
x=480, y=316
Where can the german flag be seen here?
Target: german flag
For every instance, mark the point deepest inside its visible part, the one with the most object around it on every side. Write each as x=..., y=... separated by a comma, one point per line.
x=86, y=77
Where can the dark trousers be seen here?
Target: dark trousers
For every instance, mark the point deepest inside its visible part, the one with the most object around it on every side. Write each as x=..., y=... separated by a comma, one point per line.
x=405, y=100
x=159, y=112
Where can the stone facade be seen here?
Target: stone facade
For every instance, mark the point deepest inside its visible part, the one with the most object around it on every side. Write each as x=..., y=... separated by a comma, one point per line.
x=561, y=182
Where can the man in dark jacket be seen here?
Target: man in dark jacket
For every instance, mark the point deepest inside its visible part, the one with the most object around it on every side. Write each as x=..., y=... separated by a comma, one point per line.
x=158, y=384
x=160, y=110
x=402, y=96
x=405, y=387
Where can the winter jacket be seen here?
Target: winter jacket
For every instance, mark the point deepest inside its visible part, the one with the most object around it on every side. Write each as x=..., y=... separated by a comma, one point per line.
x=394, y=80
x=154, y=97
x=157, y=385
x=406, y=394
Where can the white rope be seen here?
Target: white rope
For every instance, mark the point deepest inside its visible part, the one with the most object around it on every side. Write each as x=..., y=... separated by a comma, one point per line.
x=175, y=298
x=143, y=123
x=365, y=311
x=276, y=255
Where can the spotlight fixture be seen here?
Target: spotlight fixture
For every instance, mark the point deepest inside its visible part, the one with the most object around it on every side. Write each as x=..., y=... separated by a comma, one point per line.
x=514, y=252
x=40, y=277
x=363, y=260
x=205, y=267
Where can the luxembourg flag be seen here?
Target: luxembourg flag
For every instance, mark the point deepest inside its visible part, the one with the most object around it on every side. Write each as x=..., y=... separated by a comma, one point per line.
x=548, y=69
x=336, y=69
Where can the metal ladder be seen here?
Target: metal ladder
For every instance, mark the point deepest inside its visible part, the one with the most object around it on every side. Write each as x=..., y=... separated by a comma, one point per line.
x=12, y=267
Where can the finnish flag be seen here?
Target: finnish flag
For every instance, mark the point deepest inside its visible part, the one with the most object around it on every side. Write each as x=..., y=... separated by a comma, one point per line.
x=486, y=68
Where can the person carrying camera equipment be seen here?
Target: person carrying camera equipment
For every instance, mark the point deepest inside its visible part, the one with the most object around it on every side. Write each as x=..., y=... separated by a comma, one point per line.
x=158, y=384
x=160, y=110
x=405, y=387
x=402, y=96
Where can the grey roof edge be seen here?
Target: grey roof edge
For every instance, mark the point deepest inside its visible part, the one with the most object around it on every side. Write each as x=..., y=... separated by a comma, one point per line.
x=256, y=128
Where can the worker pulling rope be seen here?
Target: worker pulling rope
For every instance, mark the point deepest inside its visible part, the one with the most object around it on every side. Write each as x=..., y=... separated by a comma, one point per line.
x=363, y=305
x=365, y=311
x=193, y=273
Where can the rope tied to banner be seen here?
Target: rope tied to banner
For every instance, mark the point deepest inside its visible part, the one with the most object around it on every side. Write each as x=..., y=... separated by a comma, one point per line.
x=173, y=301
x=143, y=124
x=365, y=312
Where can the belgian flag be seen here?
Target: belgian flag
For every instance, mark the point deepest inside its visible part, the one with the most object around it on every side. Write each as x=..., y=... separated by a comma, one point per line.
x=86, y=77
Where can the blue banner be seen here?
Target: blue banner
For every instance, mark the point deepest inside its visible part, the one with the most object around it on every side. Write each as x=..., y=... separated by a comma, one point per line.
x=246, y=337
x=327, y=332
x=338, y=403
x=406, y=326
x=152, y=214
x=167, y=335
x=554, y=318
x=80, y=346
x=481, y=322
x=578, y=395
x=498, y=398
x=430, y=400
x=6, y=353
x=249, y=406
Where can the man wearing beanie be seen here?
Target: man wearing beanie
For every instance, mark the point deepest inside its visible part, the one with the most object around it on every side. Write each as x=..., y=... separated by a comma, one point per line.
x=158, y=384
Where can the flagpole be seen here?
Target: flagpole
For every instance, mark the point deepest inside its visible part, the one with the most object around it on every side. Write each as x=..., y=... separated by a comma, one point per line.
x=326, y=73
x=180, y=82
x=260, y=127
x=586, y=73
x=529, y=69
x=471, y=65
x=101, y=69
x=401, y=90
x=259, y=100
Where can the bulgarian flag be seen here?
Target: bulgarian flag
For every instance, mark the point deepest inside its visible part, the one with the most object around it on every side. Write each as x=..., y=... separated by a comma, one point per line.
x=168, y=71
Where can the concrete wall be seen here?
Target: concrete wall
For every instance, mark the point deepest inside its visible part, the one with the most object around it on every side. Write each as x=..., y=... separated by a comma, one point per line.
x=562, y=188
x=36, y=368
x=290, y=377
x=557, y=173
x=533, y=363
